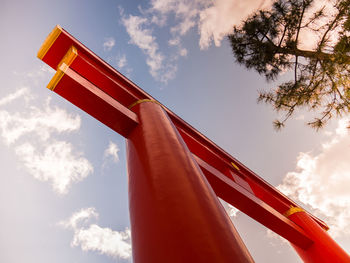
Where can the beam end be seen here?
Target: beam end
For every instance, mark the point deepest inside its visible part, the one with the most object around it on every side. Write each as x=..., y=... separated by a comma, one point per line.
x=51, y=38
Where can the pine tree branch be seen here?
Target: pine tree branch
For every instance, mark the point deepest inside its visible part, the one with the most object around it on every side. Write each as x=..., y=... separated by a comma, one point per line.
x=308, y=54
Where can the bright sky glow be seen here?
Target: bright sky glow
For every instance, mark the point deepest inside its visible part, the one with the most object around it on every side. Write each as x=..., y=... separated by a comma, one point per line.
x=64, y=175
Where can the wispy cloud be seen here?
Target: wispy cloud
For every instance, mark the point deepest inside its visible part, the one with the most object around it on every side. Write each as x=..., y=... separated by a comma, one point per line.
x=230, y=210
x=183, y=52
x=13, y=96
x=109, y=43
x=212, y=19
x=217, y=20
x=112, y=152
x=78, y=218
x=142, y=37
x=103, y=240
x=321, y=181
x=36, y=76
x=57, y=163
x=121, y=61
x=42, y=122
x=29, y=131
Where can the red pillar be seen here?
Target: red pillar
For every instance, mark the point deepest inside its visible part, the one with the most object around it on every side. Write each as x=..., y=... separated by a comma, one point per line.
x=324, y=249
x=175, y=215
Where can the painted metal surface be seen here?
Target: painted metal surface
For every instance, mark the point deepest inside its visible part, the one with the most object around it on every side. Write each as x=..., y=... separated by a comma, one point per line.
x=164, y=156
x=94, y=101
x=252, y=206
x=117, y=86
x=175, y=215
x=324, y=249
x=237, y=192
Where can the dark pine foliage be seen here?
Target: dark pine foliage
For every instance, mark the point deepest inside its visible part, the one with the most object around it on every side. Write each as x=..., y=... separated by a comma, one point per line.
x=269, y=42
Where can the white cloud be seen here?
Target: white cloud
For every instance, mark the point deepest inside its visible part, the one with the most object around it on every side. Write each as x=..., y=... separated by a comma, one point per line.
x=36, y=76
x=186, y=14
x=143, y=38
x=299, y=117
x=109, y=43
x=56, y=163
x=213, y=20
x=80, y=217
x=217, y=20
x=105, y=241
x=13, y=96
x=121, y=64
x=183, y=52
x=112, y=151
x=121, y=61
x=42, y=122
x=321, y=181
x=174, y=41
x=230, y=210
x=309, y=37
x=45, y=159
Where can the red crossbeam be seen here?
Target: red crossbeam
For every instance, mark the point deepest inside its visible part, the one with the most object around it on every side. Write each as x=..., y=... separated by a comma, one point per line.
x=104, y=83
x=94, y=101
x=248, y=203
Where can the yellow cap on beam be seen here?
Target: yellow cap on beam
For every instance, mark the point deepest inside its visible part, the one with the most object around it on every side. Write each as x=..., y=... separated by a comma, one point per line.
x=51, y=38
x=66, y=61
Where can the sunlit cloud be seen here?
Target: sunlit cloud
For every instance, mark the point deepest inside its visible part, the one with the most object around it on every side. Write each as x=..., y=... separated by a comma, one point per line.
x=183, y=52
x=230, y=210
x=57, y=163
x=309, y=37
x=174, y=42
x=121, y=61
x=218, y=19
x=103, y=240
x=78, y=218
x=29, y=130
x=92, y=237
x=35, y=76
x=112, y=152
x=109, y=43
x=42, y=122
x=13, y=96
x=213, y=20
x=299, y=117
x=142, y=37
x=321, y=180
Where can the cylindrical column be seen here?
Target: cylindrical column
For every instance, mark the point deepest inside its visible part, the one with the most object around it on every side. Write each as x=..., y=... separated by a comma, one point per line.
x=324, y=249
x=175, y=215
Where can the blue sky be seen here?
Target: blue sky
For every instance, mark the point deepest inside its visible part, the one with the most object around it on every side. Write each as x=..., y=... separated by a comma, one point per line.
x=64, y=178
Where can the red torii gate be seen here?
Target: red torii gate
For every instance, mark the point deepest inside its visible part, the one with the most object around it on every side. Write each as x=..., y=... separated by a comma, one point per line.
x=175, y=173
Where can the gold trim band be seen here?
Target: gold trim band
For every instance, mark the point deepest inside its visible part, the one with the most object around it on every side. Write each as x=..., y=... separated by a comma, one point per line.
x=62, y=67
x=69, y=57
x=235, y=166
x=57, y=77
x=51, y=38
x=292, y=210
x=144, y=100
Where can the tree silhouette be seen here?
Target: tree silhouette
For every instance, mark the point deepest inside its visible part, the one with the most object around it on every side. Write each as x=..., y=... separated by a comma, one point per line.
x=269, y=42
